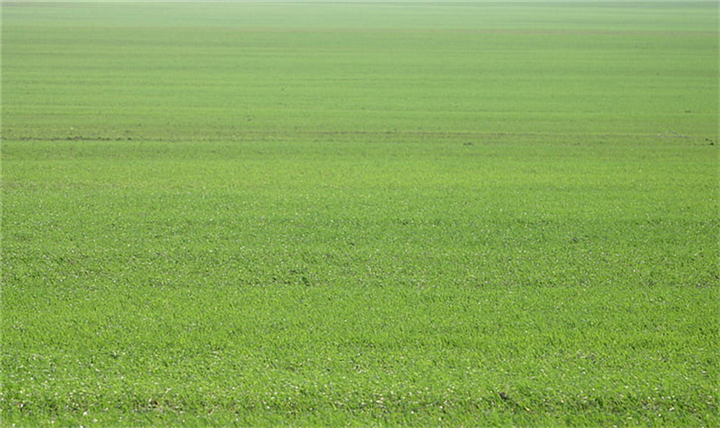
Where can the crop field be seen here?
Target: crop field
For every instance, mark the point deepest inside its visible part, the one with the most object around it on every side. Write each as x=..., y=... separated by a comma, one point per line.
x=360, y=214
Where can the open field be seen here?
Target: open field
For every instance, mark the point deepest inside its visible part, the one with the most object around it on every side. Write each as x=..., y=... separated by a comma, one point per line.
x=360, y=214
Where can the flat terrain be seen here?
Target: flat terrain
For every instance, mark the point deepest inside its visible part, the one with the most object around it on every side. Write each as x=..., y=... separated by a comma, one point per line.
x=360, y=214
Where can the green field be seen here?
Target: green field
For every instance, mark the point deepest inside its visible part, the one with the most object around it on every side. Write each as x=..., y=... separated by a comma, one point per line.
x=360, y=214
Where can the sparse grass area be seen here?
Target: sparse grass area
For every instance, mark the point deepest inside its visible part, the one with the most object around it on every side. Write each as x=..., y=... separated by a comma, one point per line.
x=360, y=215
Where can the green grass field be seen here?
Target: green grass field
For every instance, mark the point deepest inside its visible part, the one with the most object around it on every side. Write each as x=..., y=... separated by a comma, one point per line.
x=360, y=214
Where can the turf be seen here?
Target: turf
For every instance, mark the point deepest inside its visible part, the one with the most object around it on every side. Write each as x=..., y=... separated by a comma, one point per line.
x=361, y=214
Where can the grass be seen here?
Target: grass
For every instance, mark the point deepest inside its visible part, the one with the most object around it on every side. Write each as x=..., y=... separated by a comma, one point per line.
x=360, y=214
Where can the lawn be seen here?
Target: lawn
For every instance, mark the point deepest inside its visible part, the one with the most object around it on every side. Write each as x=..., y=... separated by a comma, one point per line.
x=360, y=214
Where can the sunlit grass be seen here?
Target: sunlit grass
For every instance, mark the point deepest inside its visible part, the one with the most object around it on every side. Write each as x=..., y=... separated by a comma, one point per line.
x=399, y=223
